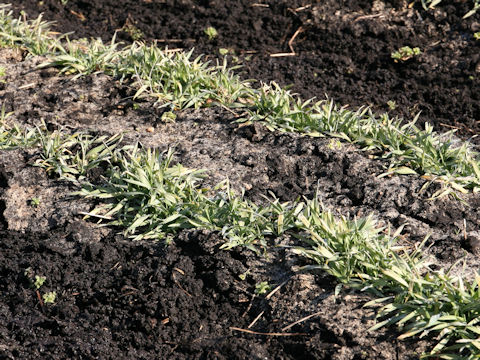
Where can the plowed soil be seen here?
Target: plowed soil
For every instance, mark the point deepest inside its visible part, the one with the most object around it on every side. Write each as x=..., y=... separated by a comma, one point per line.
x=143, y=300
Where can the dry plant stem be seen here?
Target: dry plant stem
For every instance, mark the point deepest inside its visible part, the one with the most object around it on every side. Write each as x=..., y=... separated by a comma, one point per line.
x=294, y=36
x=282, y=54
x=168, y=40
x=249, y=306
x=266, y=334
x=39, y=298
x=301, y=320
x=255, y=320
x=290, y=45
x=301, y=8
x=365, y=17
x=276, y=289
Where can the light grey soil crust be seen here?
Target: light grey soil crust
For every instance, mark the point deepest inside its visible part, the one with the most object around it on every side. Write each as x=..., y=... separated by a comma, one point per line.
x=141, y=300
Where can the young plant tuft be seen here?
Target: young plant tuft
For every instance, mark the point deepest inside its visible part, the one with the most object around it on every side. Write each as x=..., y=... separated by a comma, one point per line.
x=211, y=32
x=49, y=297
x=405, y=53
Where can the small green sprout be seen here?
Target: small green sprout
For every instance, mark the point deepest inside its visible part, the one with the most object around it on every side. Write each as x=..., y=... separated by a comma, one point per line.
x=223, y=51
x=49, y=297
x=168, y=117
x=35, y=202
x=262, y=288
x=134, y=32
x=39, y=281
x=476, y=36
x=244, y=275
x=405, y=53
x=392, y=105
x=211, y=32
x=334, y=144
x=3, y=73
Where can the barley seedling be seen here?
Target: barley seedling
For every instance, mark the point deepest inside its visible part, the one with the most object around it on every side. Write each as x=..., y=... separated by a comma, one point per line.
x=35, y=202
x=405, y=53
x=70, y=157
x=262, y=288
x=49, y=297
x=33, y=35
x=178, y=81
x=82, y=57
x=211, y=32
x=420, y=302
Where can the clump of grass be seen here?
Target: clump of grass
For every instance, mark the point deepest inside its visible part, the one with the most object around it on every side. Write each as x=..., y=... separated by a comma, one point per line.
x=173, y=78
x=151, y=199
x=179, y=81
x=82, y=57
x=12, y=136
x=71, y=157
x=144, y=192
x=409, y=149
x=33, y=35
x=365, y=256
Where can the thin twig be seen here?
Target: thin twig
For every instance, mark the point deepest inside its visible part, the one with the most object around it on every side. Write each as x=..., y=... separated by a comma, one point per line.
x=169, y=40
x=302, y=8
x=95, y=215
x=26, y=86
x=301, y=320
x=450, y=126
x=282, y=54
x=276, y=289
x=178, y=284
x=266, y=334
x=249, y=306
x=255, y=320
x=364, y=17
x=39, y=298
x=292, y=39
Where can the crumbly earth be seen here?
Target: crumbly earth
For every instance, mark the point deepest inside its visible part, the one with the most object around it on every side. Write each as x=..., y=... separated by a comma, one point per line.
x=124, y=300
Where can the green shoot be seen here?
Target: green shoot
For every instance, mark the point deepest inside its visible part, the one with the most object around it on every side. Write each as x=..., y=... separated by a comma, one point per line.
x=39, y=281
x=211, y=32
x=262, y=288
x=49, y=297
x=405, y=53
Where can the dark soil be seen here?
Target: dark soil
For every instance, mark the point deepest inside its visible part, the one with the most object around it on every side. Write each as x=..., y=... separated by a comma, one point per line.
x=124, y=300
